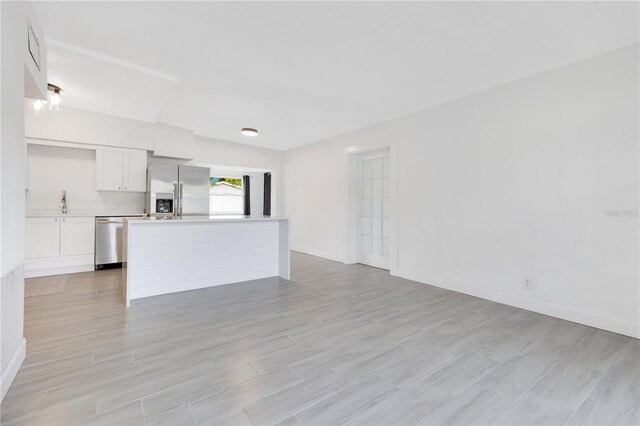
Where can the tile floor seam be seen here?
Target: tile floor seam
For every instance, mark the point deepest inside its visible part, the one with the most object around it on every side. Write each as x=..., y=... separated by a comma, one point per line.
x=246, y=413
x=203, y=397
x=526, y=392
x=285, y=416
x=193, y=417
x=144, y=413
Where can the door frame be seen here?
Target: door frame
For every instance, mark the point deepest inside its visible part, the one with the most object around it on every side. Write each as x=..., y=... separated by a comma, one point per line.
x=353, y=157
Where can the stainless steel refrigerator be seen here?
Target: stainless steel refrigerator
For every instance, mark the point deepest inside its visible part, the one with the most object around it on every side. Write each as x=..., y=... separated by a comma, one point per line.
x=177, y=190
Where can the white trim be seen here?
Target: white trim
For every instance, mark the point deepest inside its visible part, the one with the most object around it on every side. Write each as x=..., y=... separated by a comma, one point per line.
x=111, y=59
x=569, y=314
x=394, y=240
x=60, y=144
x=353, y=208
x=319, y=253
x=43, y=272
x=12, y=368
x=377, y=261
x=387, y=145
x=375, y=153
x=284, y=251
x=55, y=265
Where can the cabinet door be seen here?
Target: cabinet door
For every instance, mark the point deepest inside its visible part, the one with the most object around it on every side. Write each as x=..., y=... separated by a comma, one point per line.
x=77, y=235
x=108, y=169
x=42, y=237
x=134, y=170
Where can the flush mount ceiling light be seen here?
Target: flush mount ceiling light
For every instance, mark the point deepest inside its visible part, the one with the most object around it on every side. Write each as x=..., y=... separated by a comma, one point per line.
x=249, y=132
x=54, y=99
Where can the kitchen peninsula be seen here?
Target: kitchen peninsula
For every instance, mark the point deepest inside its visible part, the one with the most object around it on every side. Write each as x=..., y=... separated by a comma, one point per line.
x=185, y=253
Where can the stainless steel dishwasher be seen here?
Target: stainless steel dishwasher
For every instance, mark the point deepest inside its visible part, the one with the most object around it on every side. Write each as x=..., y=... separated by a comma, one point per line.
x=109, y=240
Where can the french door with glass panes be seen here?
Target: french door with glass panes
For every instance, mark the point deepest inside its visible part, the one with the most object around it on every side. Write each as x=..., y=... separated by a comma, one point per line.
x=375, y=210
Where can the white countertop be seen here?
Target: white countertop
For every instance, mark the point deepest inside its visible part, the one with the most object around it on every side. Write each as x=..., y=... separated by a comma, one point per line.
x=190, y=219
x=80, y=213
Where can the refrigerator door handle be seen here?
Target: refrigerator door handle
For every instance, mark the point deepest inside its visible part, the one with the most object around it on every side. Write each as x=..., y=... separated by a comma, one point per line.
x=181, y=195
x=176, y=199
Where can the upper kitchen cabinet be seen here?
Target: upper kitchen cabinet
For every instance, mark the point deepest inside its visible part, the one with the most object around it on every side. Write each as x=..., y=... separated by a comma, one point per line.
x=109, y=168
x=173, y=142
x=121, y=169
x=134, y=170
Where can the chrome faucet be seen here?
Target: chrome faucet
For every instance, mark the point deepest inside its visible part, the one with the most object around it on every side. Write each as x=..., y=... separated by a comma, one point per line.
x=63, y=206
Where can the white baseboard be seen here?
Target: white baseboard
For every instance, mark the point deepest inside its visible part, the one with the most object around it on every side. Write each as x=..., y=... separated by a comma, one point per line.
x=12, y=368
x=569, y=314
x=58, y=271
x=56, y=265
x=319, y=253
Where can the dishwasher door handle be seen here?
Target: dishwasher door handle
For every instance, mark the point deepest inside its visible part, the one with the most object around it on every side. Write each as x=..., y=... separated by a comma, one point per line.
x=104, y=222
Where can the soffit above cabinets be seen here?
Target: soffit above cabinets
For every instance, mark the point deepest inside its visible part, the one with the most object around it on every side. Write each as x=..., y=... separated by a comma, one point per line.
x=174, y=142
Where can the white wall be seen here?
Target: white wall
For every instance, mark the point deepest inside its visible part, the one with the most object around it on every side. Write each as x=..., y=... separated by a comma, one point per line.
x=54, y=169
x=507, y=183
x=15, y=79
x=14, y=33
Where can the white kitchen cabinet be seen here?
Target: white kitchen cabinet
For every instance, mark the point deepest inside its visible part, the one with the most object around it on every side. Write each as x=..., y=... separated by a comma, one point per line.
x=121, y=169
x=134, y=176
x=77, y=235
x=59, y=245
x=43, y=237
x=109, y=168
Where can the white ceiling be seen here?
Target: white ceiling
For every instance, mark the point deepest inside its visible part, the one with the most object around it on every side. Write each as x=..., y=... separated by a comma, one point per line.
x=301, y=72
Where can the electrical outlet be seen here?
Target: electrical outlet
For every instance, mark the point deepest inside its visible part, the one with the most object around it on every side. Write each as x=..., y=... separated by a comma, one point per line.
x=527, y=283
x=113, y=204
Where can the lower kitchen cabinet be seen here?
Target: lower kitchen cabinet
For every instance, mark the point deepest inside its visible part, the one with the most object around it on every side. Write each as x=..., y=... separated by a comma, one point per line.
x=76, y=235
x=43, y=237
x=59, y=245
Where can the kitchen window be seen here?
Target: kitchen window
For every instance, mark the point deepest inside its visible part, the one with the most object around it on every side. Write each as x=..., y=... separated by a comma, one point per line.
x=226, y=195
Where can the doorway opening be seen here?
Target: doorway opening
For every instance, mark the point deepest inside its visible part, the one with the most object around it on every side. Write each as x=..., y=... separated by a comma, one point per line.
x=374, y=209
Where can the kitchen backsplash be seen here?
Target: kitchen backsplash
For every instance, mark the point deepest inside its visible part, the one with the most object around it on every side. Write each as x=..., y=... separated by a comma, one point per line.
x=50, y=170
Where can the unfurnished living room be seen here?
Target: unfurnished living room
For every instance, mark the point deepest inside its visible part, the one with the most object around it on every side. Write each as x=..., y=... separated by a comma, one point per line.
x=320, y=213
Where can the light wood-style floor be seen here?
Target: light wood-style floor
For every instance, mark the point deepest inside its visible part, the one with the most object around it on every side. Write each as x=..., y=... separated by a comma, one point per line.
x=338, y=344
